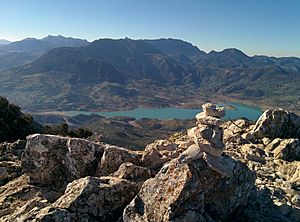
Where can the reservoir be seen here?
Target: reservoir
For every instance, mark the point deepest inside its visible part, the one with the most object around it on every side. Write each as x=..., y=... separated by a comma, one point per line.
x=241, y=110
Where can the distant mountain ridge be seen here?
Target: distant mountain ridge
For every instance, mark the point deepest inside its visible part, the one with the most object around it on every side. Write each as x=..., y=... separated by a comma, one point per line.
x=112, y=74
x=4, y=42
x=40, y=46
x=14, y=54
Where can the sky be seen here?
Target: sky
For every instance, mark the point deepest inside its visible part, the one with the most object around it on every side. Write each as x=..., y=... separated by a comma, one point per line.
x=268, y=27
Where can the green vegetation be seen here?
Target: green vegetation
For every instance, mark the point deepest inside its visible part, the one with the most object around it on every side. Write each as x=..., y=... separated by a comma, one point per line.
x=13, y=123
x=63, y=130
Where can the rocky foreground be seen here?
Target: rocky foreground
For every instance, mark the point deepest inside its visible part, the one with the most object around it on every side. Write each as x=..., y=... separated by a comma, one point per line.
x=217, y=171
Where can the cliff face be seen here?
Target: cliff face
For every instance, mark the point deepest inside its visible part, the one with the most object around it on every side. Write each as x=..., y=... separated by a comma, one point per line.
x=217, y=171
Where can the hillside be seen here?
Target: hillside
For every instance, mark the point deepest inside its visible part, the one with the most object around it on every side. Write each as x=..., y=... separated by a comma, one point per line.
x=151, y=73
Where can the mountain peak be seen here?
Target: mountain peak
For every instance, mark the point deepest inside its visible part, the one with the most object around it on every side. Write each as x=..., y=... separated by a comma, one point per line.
x=229, y=52
x=61, y=41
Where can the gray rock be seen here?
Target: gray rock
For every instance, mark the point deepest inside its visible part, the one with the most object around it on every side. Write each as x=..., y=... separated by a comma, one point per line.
x=55, y=161
x=193, y=152
x=133, y=173
x=184, y=189
x=209, y=138
x=21, y=201
x=286, y=149
x=8, y=171
x=277, y=124
x=103, y=198
x=223, y=165
x=12, y=151
x=114, y=156
x=52, y=214
x=202, y=118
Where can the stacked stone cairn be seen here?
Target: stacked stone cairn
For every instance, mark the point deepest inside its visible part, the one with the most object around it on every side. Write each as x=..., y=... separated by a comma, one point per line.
x=207, y=138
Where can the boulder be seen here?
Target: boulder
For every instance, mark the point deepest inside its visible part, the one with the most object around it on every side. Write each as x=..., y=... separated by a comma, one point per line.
x=191, y=191
x=277, y=124
x=133, y=173
x=114, y=156
x=153, y=159
x=55, y=161
x=224, y=165
x=253, y=152
x=103, y=198
x=212, y=110
x=286, y=149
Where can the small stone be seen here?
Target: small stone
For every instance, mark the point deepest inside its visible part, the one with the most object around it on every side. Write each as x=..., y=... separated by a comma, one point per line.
x=202, y=118
x=193, y=152
x=212, y=110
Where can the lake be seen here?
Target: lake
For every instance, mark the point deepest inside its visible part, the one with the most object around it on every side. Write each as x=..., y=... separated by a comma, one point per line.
x=242, y=110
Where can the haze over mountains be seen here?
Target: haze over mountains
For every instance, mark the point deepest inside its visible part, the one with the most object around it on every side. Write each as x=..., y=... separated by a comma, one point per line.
x=13, y=54
x=58, y=73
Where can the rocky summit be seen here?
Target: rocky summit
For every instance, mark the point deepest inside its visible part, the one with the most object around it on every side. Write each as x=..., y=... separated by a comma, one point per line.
x=218, y=170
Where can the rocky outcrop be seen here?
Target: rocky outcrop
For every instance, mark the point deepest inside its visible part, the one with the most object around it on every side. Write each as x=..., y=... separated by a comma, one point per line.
x=286, y=149
x=191, y=192
x=217, y=171
x=20, y=200
x=277, y=124
x=102, y=198
x=12, y=151
x=135, y=174
x=113, y=157
x=10, y=155
x=55, y=161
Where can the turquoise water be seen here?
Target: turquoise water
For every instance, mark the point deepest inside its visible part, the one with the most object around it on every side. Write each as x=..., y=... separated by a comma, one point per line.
x=249, y=112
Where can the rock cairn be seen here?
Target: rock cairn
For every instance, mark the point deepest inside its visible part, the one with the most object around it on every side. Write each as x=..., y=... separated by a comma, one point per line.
x=207, y=139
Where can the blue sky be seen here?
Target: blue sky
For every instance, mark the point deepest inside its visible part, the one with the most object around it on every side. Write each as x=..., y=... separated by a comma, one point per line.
x=270, y=27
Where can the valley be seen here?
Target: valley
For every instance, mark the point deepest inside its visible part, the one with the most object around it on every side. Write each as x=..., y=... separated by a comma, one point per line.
x=125, y=74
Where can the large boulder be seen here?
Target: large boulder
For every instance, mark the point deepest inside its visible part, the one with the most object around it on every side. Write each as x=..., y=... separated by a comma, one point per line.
x=131, y=172
x=55, y=161
x=277, y=124
x=103, y=198
x=191, y=192
x=286, y=149
x=114, y=156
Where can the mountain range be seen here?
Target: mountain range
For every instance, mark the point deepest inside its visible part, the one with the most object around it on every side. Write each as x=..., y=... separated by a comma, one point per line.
x=14, y=54
x=58, y=73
